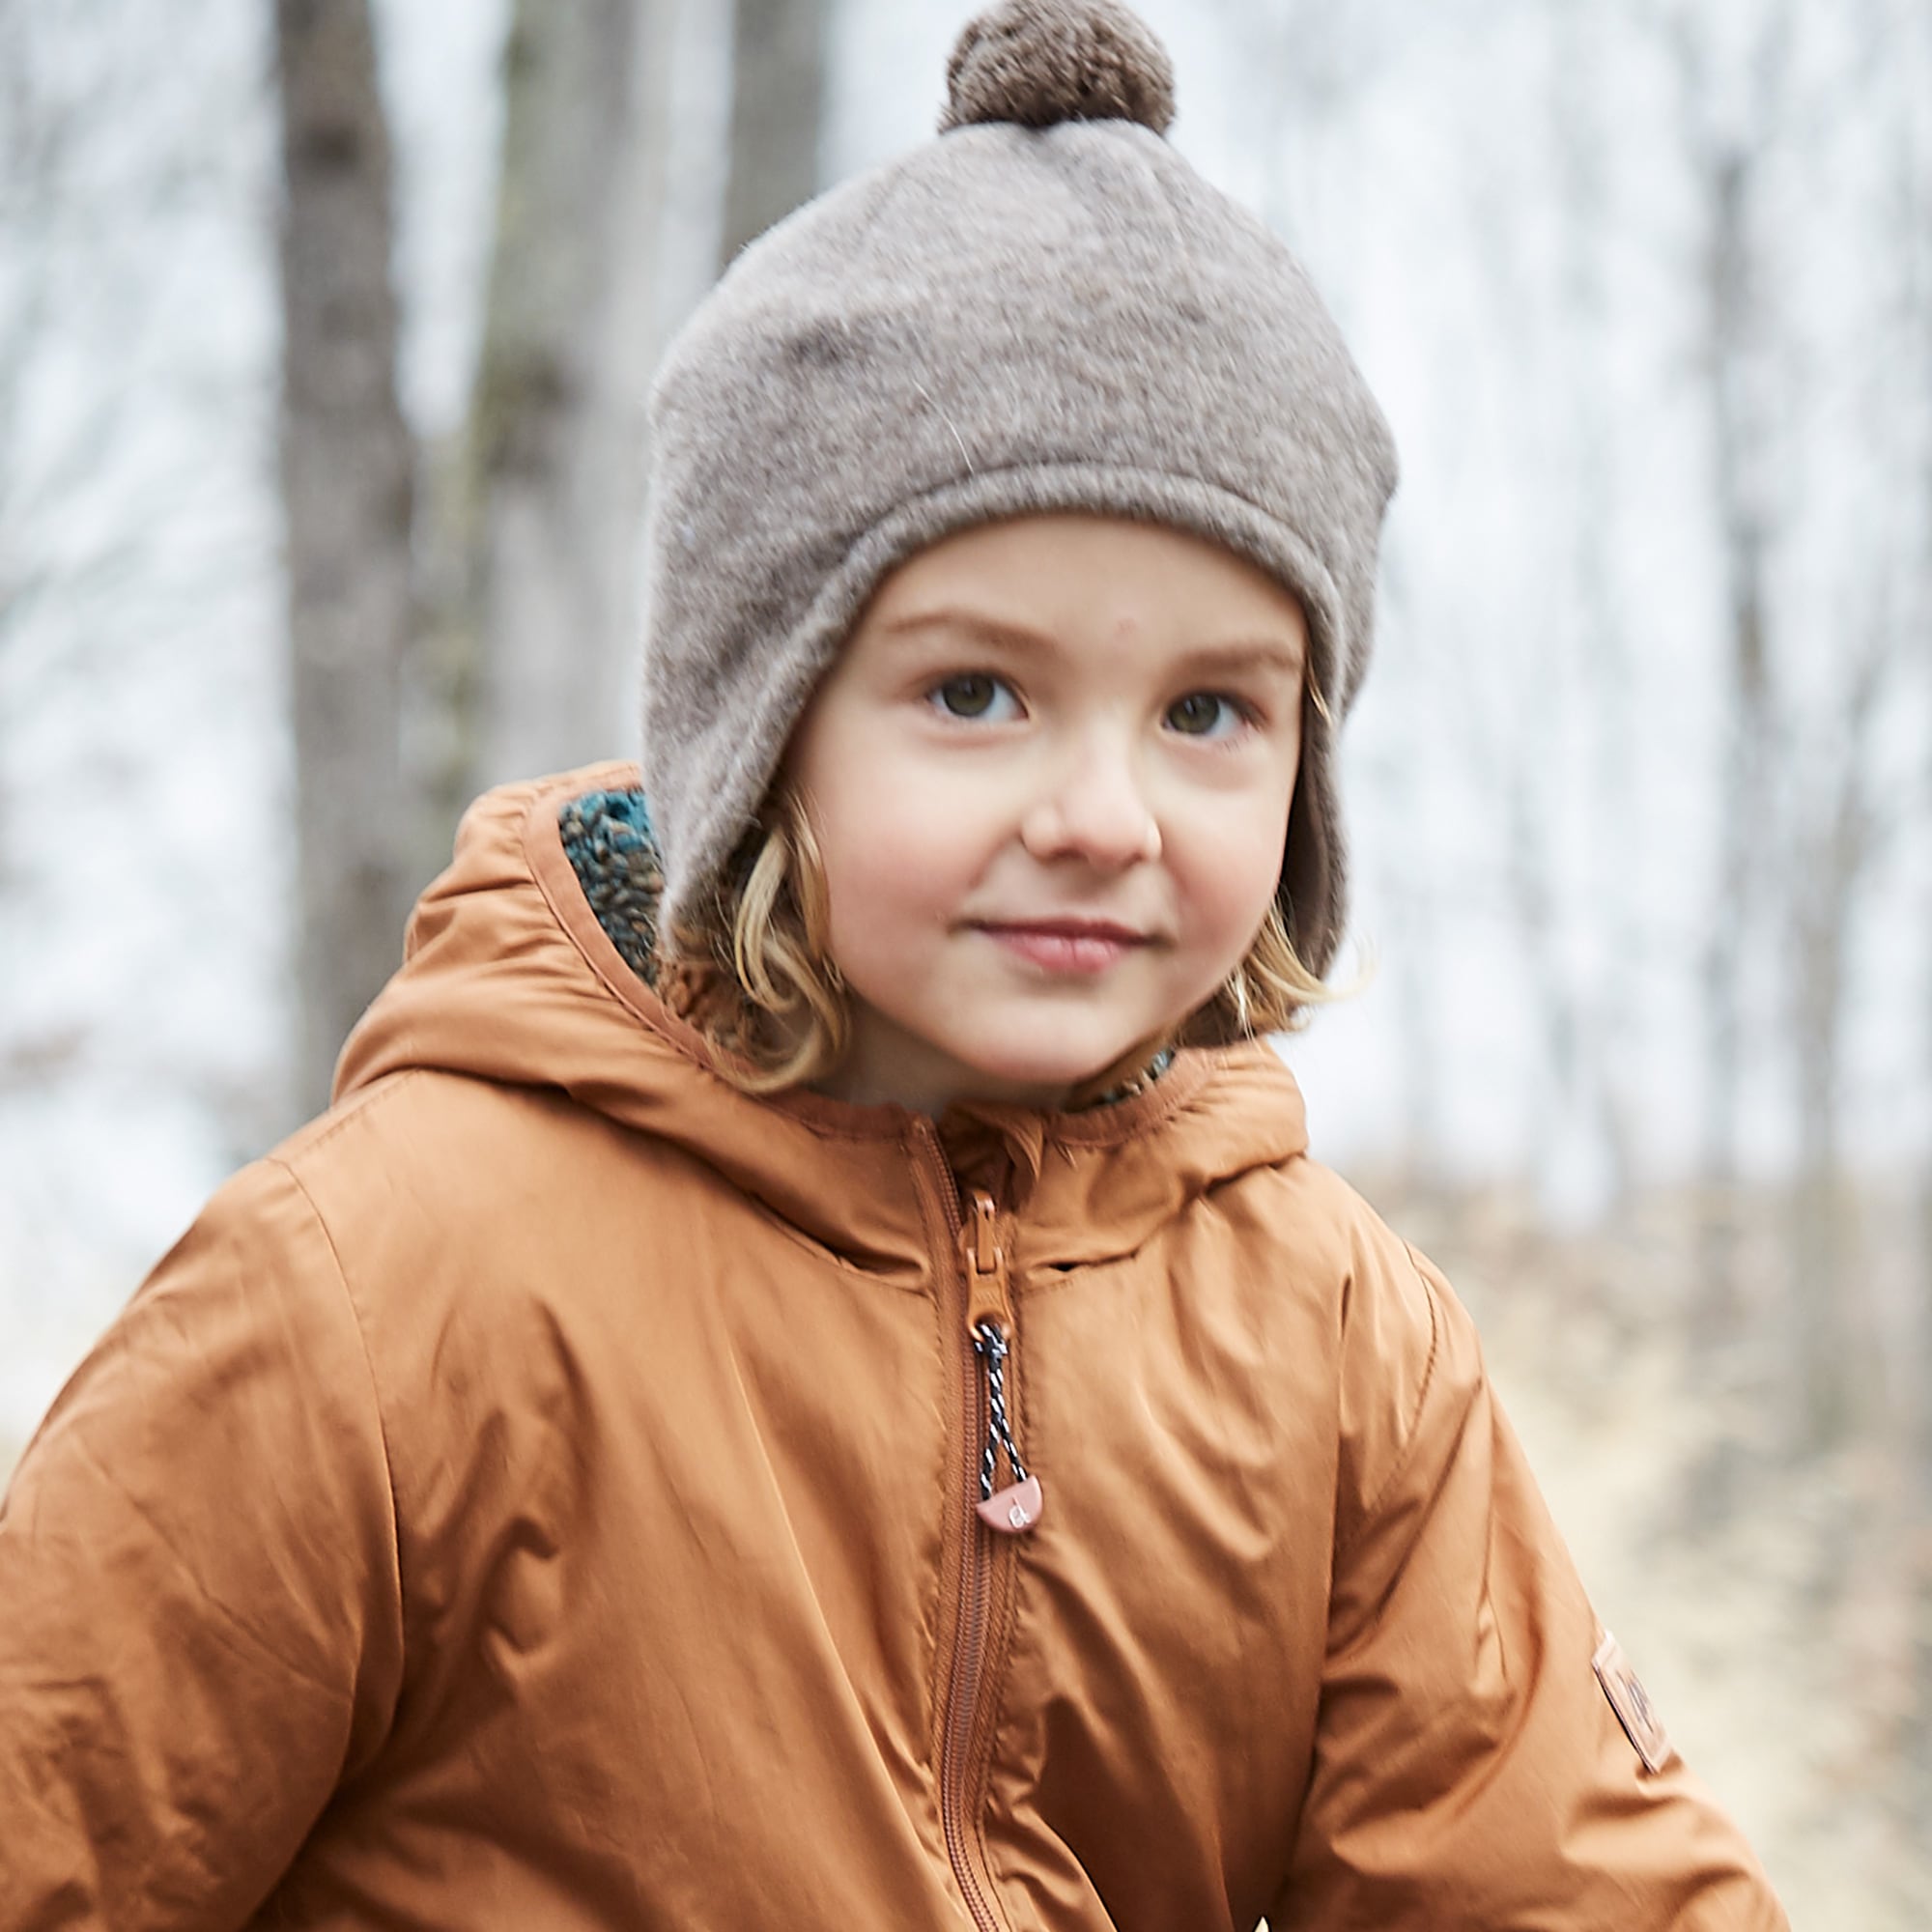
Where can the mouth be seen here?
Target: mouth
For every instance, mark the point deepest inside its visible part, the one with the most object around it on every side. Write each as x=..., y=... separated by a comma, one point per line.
x=1075, y=947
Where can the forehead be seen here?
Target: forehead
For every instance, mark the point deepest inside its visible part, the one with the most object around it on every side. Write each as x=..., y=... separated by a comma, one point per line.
x=1072, y=576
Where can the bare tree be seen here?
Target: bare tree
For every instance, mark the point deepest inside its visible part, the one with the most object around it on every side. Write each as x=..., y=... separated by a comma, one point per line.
x=75, y=526
x=1831, y=862
x=1911, y=171
x=544, y=496
x=778, y=105
x=1912, y=210
x=1884, y=593
x=1579, y=127
x=538, y=614
x=1726, y=177
x=1727, y=164
x=35, y=136
x=1522, y=726
x=346, y=475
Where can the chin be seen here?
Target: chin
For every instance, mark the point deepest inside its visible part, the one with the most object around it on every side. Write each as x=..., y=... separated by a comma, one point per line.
x=1047, y=1072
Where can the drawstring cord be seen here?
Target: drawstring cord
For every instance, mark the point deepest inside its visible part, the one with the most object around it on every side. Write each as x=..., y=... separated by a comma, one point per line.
x=992, y=1350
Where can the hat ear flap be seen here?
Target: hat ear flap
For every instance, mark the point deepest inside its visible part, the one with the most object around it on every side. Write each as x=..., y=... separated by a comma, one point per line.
x=1310, y=896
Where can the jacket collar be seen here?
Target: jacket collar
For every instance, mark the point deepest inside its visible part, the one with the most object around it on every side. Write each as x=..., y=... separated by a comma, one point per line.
x=509, y=976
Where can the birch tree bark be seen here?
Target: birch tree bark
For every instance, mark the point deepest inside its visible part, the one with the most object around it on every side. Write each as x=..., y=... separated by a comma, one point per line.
x=346, y=480
x=778, y=105
x=551, y=484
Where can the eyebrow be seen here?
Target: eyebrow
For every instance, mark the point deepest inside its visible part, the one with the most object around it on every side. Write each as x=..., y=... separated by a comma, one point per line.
x=1249, y=654
x=1227, y=655
x=971, y=622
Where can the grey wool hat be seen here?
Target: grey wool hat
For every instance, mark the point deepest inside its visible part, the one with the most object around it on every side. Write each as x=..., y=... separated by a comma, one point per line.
x=1044, y=309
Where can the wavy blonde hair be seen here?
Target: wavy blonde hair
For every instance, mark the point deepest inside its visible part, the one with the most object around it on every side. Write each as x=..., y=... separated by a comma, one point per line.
x=753, y=969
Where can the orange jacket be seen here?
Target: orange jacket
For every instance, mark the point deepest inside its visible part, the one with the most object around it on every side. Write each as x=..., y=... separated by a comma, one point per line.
x=543, y=1494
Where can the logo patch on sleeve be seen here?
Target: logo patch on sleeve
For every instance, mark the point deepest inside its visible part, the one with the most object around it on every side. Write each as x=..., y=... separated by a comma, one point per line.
x=1632, y=1703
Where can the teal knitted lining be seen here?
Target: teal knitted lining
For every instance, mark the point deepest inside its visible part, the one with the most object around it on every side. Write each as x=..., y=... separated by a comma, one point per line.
x=612, y=848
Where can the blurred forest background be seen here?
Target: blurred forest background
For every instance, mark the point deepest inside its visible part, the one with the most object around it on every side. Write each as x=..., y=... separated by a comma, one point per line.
x=325, y=331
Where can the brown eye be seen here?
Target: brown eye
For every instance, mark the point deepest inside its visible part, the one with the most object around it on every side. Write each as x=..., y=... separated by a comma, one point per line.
x=974, y=694
x=1202, y=713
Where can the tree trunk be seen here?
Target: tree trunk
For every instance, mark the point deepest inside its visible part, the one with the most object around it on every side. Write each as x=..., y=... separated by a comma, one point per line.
x=1914, y=172
x=346, y=476
x=1828, y=878
x=536, y=663
x=1730, y=295
x=1913, y=165
x=777, y=104
x=1580, y=131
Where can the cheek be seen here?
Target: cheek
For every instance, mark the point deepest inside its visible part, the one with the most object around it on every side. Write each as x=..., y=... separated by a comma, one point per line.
x=877, y=884
x=891, y=873
x=1228, y=879
x=898, y=841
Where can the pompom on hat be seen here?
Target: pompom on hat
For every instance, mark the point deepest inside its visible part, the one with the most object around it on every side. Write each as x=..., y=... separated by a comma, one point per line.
x=1043, y=64
x=1045, y=309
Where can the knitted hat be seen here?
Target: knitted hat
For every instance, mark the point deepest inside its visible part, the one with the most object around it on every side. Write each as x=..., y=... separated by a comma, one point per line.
x=1044, y=309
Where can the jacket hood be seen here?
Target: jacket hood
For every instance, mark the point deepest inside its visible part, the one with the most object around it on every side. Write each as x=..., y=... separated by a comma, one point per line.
x=509, y=976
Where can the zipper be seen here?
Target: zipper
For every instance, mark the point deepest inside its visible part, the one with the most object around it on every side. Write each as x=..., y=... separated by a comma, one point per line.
x=988, y=1330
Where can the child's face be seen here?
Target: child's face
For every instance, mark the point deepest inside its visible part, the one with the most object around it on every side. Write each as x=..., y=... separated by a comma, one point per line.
x=1050, y=776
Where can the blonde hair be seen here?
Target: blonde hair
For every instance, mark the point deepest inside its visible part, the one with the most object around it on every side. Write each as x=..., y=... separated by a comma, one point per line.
x=766, y=989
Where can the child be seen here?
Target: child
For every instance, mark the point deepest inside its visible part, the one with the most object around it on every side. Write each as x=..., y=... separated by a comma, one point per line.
x=807, y=1377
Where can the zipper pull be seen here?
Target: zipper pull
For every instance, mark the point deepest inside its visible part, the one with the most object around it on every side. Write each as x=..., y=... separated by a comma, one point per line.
x=989, y=1324
x=988, y=1297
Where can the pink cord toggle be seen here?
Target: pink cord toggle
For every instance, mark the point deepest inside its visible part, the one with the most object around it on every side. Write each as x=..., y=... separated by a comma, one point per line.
x=1014, y=1510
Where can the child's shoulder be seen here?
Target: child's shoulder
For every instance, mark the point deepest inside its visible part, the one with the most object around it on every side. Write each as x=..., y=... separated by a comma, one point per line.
x=1338, y=1242
x=443, y=1140
x=444, y=1156
x=462, y=1213
x=1406, y=1363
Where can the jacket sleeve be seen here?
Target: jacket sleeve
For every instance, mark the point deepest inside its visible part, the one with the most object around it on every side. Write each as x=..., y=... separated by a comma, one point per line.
x=1469, y=1769
x=200, y=1627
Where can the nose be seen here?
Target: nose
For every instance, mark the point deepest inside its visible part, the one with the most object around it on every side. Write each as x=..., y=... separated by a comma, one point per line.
x=1094, y=807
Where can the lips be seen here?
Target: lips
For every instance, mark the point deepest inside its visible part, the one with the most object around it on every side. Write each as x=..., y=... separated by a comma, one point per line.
x=1077, y=947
